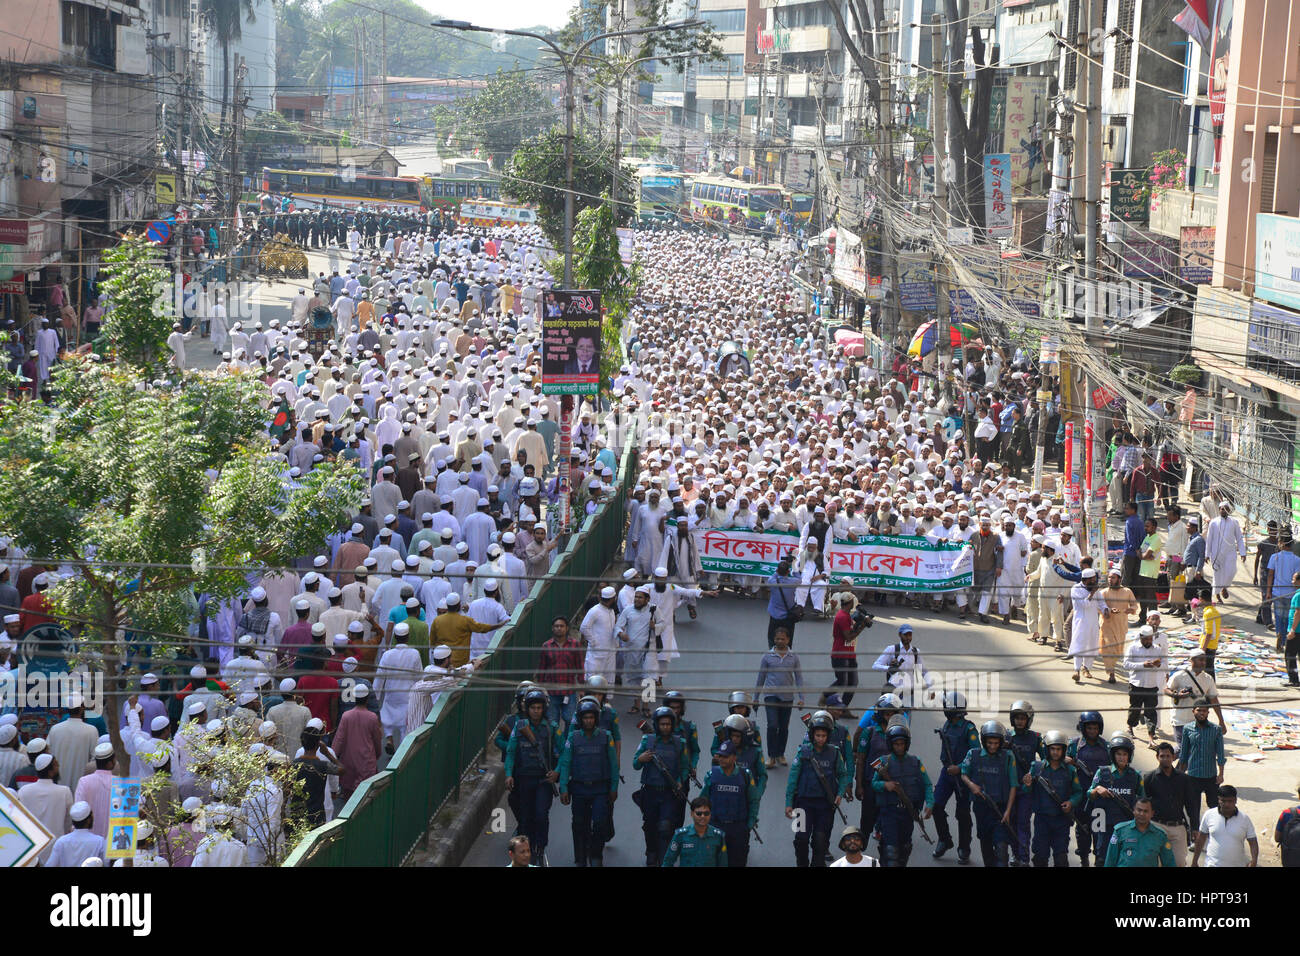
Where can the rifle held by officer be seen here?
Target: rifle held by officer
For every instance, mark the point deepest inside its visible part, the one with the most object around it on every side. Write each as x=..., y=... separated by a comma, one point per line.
x=903, y=798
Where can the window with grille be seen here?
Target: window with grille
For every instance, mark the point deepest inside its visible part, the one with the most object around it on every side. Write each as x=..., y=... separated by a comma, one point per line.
x=1123, y=45
x=1071, y=57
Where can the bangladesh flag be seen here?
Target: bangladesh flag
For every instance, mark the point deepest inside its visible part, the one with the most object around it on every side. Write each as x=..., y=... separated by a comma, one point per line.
x=280, y=423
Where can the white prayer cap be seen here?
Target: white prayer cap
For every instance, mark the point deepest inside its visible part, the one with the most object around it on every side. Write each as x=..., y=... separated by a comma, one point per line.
x=79, y=811
x=302, y=604
x=191, y=804
x=198, y=671
x=357, y=529
x=245, y=640
x=402, y=629
x=311, y=577
x=334, y=593
x=288, y=685
x=12, y=618
x=661, y=572
x=247, y=697
x=259, y=593
x=143, y=831
x=607, y=593
x=341, y=639
x=441, y=652
x=159, y=723
x=149, y=678
x=349, y=665
x=361, y=690
x=214, y=726
x=7, y=733
x=453, y=598
x=196, y=707
x=43, y=761
x=1146, y=630
x=266, y=729
x=319, y=561
x=318, y=629
x=1087, y=574
x=489, y=584
x=629, y=574
x=316, y=724
x=101, y=751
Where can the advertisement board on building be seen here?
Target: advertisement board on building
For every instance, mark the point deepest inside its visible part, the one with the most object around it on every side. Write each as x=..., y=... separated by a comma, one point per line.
x=1127, y=204
x=1277, y=259
x=132, y=50
x=799, y=170
x=850, y=268
x=571, y=342
x=39, y=109
x=1022, y=133
x=997, y=194
x=1144, y=255
x=916, y=283
x=986, y=273
x=1220, y=44
x=1274, y=333
x=1196, y=253
x=1024, y=286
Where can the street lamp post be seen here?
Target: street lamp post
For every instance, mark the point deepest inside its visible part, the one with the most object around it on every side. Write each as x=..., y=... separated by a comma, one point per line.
x=569, y=62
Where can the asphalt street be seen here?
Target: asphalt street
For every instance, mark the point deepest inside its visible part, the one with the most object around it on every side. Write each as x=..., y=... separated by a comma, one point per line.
x=993, y=664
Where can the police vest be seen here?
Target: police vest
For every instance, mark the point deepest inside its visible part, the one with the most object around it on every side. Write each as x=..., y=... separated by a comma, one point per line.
x=529, y=756
x=748, y=758
x=1127, y=786
x=1060, y=779
x=989, y=771
x=877, y=747
x=1025, y=748
x=729, y=796
x=906, y=771
x=669, y=753
x=608, y=718
x=510, y=721
x=589, y=757
x=956, y=741
x=685, y=729
x=810, y=785
x=1089, y=759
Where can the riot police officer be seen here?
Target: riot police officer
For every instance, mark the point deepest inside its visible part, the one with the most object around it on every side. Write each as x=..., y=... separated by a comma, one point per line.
x=1025, y=745
x=957, y=737
x=743, y=734
x=818, y=780
x=734, y=799
x=899, y=774
x=663, y=760
x=991, y=776
x=675, y=701
x=737, y=703
x=502, y=741
x=589, y=778
x=1087, y=753
x=530, y=766
x=598, y=687
x=870, y=746
x=1054, y=794
x=1112, y=792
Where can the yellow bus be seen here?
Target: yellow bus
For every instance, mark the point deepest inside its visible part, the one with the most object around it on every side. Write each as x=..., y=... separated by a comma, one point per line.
x=800, y=206
x=721, y=199
x=486, y=214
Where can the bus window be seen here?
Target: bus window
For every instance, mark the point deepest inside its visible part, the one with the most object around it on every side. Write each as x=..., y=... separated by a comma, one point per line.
x=493, y=192
x=437, y=188
x=297, y=181
x=405, y=190
x=319, y=184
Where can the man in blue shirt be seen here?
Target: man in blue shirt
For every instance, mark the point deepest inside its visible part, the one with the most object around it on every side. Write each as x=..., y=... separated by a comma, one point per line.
x=781, y=601
x=1134, y=533
x=1282, y=567
x=1201, y=756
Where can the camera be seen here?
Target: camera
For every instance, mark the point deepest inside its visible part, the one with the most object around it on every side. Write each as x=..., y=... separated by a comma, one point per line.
x=861, y=619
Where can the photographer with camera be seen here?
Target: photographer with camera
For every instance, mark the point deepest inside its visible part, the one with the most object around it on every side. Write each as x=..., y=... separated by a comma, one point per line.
x=902, y=667
x=850, y=621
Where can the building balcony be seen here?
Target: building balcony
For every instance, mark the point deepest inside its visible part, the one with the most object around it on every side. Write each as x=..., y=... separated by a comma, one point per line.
x=1177, y=208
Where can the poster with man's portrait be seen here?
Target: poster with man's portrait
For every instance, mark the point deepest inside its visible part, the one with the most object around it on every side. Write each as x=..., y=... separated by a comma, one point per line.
x=570, y=342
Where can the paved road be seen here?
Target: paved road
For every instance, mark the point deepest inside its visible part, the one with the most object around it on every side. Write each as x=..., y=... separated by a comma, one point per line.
x=721, y=651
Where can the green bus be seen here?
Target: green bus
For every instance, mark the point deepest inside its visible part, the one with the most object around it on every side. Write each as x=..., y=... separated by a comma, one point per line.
x=660, y=196
x=723, y=200
x=448, y=192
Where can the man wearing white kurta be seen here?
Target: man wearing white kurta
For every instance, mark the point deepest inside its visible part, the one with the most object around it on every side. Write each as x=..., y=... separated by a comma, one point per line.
x=47, y=347
x=394, y=676
x=1011, y=590
x=1085, y=631
x=665, y=603
x=597, y=630
x=1224, y=544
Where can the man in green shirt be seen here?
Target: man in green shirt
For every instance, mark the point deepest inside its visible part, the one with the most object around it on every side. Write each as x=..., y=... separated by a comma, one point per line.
x=698, y=843
x=1139, y=842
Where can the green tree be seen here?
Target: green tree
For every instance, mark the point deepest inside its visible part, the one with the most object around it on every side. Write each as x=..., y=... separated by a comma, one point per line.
x=137, y=326
x=509, y=110
x=114, y=481
x=535, y=175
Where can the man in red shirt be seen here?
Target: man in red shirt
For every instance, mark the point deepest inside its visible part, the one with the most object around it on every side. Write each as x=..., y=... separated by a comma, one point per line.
x=36, y=605
x=561, y=668
x=321, y=695
x=844, y=648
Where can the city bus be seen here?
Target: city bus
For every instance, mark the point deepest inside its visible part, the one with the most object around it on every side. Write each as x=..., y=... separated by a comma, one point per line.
x=660, y=196
x=315, y=188
x=486, y=214
x=466, y=167
x=448, y=192
x=800, y=206
x=722, y=199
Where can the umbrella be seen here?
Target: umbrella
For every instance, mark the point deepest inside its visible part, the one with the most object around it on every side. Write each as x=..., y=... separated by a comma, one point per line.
x=923, y=341
x=854, y=343
x=743, y=172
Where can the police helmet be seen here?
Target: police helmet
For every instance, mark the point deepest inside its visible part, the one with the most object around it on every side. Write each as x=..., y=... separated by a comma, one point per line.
x=522, y=689
x=954, y=705
x=589, y=697
x=737, y=698
x=736, y=722
x=899, y=732
x=1091, y=717
x=1055, y=738
x=889, y=702
x=851, y=832
x=588, y=705
x=992, y=728
x=536, y=695
x=898, y=720
x=675, y=697
x=821, y=721
x=1022, y=707
x=597, y=683
x=1119, y=742
x=660, y=713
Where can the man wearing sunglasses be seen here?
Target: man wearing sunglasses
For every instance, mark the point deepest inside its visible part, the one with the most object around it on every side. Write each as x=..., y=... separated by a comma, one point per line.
x=698, y=843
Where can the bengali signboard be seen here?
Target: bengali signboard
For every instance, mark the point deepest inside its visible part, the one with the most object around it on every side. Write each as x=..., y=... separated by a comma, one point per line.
x=123, y=817
x=916, y=283
x=1024, y=286
x=885, y=562
x=1022, y=132
x=571, y=342
x=1127, y=204
x=1196, y=249
x=997, y=194
x=984, y=272
x=850, y=268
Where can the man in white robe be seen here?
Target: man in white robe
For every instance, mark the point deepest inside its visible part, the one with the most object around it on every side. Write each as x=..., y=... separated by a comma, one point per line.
x=1224, y=544
x=597, y=630
x=1085, y=630
x=47, y=348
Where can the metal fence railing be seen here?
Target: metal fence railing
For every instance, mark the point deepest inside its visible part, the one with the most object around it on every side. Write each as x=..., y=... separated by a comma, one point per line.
x=389, y=814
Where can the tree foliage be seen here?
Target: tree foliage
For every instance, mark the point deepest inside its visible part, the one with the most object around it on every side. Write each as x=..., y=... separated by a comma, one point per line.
x=509, y=110
x=598, y=264
x=535, y=175
x=135, y=327
x=154, y=493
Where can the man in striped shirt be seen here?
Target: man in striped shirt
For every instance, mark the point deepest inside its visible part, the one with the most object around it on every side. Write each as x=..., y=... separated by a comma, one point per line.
x=1201, y=757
